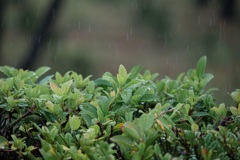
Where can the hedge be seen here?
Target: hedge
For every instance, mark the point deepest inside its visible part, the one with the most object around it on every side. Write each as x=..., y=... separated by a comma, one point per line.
x=133, y=115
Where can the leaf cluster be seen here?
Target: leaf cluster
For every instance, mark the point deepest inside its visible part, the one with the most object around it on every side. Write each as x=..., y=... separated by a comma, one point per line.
x=132, y=115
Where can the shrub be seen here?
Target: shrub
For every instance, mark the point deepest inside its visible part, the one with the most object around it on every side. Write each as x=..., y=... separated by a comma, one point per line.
x=128, y=116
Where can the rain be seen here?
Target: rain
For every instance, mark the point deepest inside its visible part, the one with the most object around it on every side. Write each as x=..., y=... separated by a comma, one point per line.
x=93, y=37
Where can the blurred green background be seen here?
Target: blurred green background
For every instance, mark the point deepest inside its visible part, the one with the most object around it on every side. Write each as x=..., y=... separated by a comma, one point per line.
x=95, y=36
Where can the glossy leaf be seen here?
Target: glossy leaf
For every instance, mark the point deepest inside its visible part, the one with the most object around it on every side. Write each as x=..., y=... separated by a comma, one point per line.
x=42, y=70
x=131, y=130
x=66, y=87
x=74, y=122
x=123, y=140
x=56, y=89
x=201, y=65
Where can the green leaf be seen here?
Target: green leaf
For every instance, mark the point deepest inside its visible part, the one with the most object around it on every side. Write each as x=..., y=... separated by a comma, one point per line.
x=206, y=79
x=145, y=122
x=135, y=71
x=91, y=87
x=158, y=151
x=9, y=71
x=87, y=119
x=194, y=127
x=122, y=75
x=121, y=80
x=47, y=151
x=122, y=71
x=109, y=77
x=102, y=82
x=131, y=130
x=74, y=122
x=56, y=89
x=42, y=70
x=167, y=156
x=66, y=87
x=172, y=86
x=139, y=93
x=104, y=103
x=18, y=142
x=100, y=114
x=58, y=77
x=178, y=107
x=161, y=86
x=220, y=112
x=3, y=142
x=133, y=84
x=126, y=94
x=11, y=101
x=150, y=98
x=201, y=65
x=50, y=106
x=235, y=110
x=46, y=79
x=89, y=109
x=49, y=116
x=149, y=152
x=123, y=140
x=236, y=96
x=187, y=108
x=129, y=116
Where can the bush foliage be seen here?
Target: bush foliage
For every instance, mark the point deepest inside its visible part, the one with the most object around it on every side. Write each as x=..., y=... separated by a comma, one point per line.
x=132, y=115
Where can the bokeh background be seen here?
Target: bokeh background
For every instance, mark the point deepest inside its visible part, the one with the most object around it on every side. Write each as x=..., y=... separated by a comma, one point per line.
x=95, y=36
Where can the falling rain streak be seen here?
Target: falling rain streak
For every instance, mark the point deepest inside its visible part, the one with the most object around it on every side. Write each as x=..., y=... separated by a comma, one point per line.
x=79, y=25
x=127, y=35
x=199, y=20
x=219, y=42
x=165, y=40
x=89, y=28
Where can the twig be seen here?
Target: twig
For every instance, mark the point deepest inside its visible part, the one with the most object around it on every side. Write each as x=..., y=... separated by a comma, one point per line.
x=170, y=110
x=15, y=122
x=6, y=150
x=200, y=118
x=63, y=139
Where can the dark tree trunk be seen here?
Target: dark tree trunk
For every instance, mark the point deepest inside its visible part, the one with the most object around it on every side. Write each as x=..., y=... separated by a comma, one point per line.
x=41, y=35
x=202, y=2
x=229, y=8
x=2, y=8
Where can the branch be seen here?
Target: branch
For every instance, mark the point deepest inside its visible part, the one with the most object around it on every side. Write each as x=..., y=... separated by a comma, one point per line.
x=169, y=110
x=15, y=122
